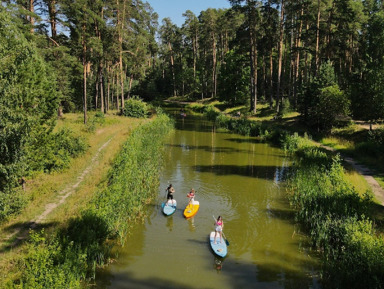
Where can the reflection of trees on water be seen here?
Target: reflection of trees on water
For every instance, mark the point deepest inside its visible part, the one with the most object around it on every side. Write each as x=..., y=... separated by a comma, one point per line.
x=281, y=172
x=170, y=223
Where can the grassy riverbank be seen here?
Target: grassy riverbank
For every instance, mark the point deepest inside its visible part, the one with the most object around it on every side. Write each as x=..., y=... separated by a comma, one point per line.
x=66, y=254
x=338, y=219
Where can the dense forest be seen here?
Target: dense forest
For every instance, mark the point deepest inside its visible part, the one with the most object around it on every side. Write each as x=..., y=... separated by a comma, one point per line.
x=304, y=54
x=323, y=59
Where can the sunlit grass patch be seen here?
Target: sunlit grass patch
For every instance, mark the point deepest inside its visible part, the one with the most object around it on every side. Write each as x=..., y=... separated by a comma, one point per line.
x=337, y=143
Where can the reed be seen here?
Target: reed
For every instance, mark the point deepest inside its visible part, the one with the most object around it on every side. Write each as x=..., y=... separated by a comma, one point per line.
x=335, y=215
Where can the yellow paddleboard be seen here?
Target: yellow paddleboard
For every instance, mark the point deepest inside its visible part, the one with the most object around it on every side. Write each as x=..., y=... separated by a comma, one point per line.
x=191, y=209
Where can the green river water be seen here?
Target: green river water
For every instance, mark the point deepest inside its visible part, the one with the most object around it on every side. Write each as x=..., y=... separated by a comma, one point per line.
x=238, y=178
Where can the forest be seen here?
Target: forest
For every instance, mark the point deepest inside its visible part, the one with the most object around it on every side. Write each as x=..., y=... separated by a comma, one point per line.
x=322, y=59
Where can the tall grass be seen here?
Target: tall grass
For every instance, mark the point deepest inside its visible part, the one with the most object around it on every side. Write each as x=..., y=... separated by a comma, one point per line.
x=336, y=217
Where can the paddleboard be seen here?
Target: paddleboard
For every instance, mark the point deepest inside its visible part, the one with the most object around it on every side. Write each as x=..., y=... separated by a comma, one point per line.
x=220, y=249
x=169, y=207
x=191, y=209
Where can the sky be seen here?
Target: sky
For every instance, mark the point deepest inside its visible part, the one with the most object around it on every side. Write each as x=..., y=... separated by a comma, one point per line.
x=174, y=9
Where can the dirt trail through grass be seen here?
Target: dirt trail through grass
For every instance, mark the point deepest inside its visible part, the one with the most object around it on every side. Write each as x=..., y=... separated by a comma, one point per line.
x=59, y=197
x=377, y=190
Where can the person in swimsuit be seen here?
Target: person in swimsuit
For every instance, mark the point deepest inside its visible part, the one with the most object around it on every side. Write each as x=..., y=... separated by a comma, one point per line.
x=191, y=196
x=219, y=225
x=170, y=190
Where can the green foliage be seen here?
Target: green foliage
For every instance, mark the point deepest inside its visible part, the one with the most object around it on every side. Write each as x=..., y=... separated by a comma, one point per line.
x=134, y=107
x=48, y=265
x=211, y=113
x=134, y=176
x=234, y=78
x=11, y=203
x=54, y=152
x=323, y=101
x=334, y=215
x=374, y=146
x=28, y=100
x=88, y=233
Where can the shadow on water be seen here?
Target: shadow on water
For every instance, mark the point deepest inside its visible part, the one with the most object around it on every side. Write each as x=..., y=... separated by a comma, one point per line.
x=241, y=275
x=228, y=150
x=245, y=140
x=263, y=172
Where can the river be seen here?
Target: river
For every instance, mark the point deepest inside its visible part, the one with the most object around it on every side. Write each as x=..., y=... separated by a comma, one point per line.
x=238, y=178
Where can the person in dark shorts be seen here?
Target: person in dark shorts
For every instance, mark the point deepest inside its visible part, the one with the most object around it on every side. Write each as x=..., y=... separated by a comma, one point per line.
x=170, y=190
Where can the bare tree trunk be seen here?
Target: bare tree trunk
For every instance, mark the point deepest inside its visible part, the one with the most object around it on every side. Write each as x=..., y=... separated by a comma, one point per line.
x=172, y=68
x=130, y=85
x=32, y=19
x=297, y=61
x=279, y=68
x=214, y=61
x=84, y=75
x=317, y=56
x=52, y=17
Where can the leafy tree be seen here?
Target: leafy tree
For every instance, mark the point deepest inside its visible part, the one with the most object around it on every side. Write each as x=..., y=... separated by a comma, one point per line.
x=28, y=100
x=234, y=79
x=324, y=101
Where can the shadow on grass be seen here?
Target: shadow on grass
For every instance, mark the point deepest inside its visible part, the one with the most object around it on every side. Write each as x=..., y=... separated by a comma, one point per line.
x=19, y=234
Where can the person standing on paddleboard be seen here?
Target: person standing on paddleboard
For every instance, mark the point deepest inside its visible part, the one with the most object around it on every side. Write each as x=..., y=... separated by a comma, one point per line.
x=191, y=196
x=170, y=190
x=219, y=225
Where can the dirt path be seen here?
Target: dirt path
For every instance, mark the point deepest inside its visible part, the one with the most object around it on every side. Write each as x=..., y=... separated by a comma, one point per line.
x=377, y=190
x=22, y=232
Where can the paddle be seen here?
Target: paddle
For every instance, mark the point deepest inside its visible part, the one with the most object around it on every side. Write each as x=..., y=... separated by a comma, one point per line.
x=225, y=238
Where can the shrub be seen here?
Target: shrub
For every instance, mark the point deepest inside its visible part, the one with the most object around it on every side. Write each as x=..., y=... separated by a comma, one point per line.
x=54, y=152
x=135, y=107
x=49, y=266
x=211, y=113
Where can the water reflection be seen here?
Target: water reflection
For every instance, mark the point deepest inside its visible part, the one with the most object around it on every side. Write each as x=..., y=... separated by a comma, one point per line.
x=191, y=224
x=218, y=264
x=169, y=224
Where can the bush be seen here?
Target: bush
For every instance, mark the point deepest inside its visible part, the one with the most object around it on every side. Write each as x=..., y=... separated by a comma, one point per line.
x=54, y=152
x=134, y=107
x=49, y=266
x=211, y=113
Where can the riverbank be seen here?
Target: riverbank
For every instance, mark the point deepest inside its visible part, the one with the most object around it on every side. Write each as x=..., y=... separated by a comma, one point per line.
x=63, y=199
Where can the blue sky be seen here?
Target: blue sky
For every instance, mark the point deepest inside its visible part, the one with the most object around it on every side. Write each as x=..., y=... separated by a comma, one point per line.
x=174, y=9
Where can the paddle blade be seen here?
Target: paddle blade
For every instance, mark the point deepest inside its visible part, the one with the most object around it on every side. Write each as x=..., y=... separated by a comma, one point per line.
x=226, y=242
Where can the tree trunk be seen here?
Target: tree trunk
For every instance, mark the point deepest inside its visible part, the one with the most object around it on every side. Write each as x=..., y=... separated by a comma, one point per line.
x=279, y=67
x=172, y=68
x=317, y=56
x=31, y=18
x=297, y=61
x=84, y=75
x=52, y=17
x=214, y=60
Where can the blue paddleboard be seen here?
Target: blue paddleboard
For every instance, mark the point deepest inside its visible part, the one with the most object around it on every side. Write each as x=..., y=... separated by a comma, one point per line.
x=169, y=207
x=220, y=249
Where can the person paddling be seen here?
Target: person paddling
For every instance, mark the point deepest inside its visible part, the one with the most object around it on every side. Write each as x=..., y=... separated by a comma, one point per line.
x=170, y=190
x=219, y=225
x=191, y=196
